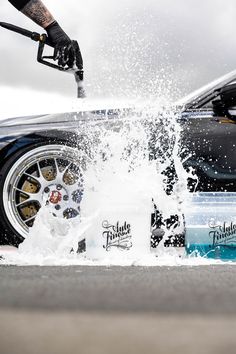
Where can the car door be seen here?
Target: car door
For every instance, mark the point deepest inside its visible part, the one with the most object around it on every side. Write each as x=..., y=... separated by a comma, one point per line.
x=209, y=147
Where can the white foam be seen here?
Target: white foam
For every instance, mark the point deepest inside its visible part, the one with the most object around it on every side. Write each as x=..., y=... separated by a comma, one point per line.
x=120, y=182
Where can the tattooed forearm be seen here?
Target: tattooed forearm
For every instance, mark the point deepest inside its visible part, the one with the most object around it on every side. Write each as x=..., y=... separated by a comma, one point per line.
x=36, y=10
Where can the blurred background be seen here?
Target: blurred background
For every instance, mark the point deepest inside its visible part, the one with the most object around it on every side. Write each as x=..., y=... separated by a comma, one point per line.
x=131, y=48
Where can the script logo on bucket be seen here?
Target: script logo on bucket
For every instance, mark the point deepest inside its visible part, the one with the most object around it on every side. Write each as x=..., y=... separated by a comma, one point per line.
x=117, y=235
x=223, y=234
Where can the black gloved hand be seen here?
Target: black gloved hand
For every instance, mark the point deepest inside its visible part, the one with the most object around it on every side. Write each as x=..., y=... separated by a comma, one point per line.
x=75, y=56
x=67, y=52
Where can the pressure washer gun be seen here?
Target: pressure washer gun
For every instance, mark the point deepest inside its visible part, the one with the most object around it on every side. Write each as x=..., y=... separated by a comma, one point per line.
x=47, y=60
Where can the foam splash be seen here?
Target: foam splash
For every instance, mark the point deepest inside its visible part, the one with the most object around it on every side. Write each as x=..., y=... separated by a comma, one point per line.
x=123, y=180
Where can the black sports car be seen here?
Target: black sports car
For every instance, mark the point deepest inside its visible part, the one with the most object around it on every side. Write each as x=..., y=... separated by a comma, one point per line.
x=38, y=163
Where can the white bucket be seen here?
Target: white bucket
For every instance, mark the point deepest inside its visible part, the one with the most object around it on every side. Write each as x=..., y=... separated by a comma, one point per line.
x=119, y=228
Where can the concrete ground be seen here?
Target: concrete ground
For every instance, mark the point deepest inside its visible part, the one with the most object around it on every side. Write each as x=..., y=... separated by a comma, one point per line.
x=117, y=310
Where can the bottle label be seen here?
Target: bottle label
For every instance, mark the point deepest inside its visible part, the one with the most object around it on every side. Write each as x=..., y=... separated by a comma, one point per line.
x=117, y=235
x=223, y=234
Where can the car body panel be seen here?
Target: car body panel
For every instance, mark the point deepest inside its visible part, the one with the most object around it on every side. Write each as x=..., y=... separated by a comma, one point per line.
x=211, y=142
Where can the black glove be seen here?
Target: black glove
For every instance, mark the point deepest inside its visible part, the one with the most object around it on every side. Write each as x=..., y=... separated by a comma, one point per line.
x=67, y=52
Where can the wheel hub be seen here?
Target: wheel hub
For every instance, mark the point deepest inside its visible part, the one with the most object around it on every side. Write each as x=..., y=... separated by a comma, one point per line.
x=55, y=197
x=59, y=198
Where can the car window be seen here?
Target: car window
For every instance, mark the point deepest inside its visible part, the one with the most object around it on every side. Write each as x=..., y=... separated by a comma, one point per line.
x=220, y=82
x=209, y=104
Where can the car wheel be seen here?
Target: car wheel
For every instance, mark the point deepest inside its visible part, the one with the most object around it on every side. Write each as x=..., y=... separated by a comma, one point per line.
x=39, y=175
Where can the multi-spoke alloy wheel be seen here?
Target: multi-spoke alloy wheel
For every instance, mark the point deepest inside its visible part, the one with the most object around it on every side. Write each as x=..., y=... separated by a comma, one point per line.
x=49, y=174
